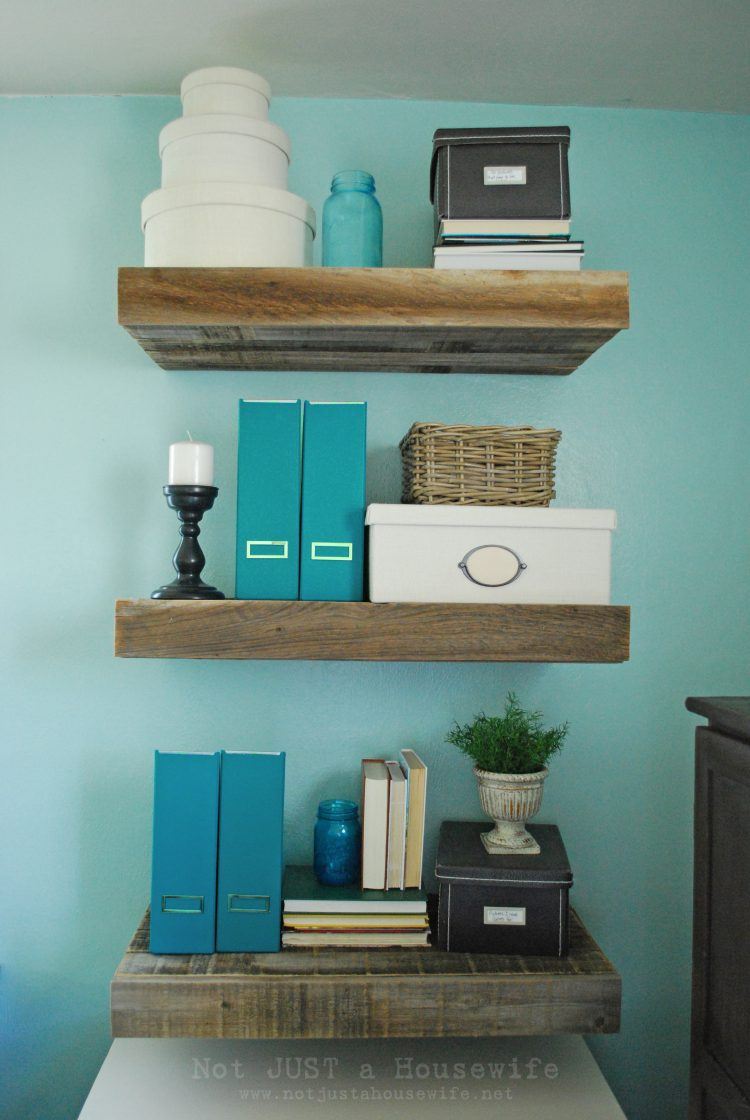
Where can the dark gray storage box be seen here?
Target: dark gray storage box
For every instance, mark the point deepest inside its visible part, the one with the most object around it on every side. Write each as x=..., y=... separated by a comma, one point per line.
x=494, y=173
x=502, y=904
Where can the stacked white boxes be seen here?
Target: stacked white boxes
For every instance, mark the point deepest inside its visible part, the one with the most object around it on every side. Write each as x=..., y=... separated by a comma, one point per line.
x=223, y=201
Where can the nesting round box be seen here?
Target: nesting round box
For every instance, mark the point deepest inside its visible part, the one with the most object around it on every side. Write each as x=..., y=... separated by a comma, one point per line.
x=226, y=225
x=221, y=148
x=225, y=89
x=223, y=201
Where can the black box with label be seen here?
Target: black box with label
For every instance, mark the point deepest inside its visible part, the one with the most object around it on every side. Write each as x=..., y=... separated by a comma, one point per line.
x=493, y=173
x=511, y=904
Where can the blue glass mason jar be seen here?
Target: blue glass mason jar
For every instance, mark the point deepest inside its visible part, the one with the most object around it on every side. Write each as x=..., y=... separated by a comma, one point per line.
x=338, y=839
x=352, y=223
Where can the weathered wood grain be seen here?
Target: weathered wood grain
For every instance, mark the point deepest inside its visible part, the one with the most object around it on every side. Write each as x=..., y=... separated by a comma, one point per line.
x=329, y=359
x=328, y=993
x=410, y=320
x=274, y=630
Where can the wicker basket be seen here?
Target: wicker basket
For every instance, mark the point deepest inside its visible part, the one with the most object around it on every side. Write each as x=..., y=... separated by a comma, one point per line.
x=456, y=464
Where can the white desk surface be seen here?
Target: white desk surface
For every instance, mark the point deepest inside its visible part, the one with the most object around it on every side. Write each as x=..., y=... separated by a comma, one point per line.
x=548, y=1078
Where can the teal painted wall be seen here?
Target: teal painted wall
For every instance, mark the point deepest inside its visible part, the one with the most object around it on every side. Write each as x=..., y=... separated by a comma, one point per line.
x=654, y=425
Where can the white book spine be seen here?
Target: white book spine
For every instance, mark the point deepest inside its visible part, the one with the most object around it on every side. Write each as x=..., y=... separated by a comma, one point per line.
x=375, y=790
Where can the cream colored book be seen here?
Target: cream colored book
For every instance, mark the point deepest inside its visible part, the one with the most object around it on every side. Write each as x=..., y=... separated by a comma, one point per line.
x=416, y=800
x=375, y=783
x=355, y=921
x=396, y=828
x=373, y=939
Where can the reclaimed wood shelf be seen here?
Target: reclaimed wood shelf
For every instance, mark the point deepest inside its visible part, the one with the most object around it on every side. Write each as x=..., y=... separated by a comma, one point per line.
x=381, y=993
x=237, y=629
x=417, y=320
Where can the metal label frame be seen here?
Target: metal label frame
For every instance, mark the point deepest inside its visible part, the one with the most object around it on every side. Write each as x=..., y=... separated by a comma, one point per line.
x=521, y=566
x=315, y=545
x=197, y=898
x=263, y=900
x=249, y=555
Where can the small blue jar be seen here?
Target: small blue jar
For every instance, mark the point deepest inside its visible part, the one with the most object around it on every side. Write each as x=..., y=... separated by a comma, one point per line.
x=338, y=839
x=352, y=223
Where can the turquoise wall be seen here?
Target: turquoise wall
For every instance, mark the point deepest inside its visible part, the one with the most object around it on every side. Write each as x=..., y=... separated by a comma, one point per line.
x=654, y=425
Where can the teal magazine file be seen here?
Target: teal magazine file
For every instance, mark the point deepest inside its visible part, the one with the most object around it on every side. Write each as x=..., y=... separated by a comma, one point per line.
x=251, y=858
x=183, y=870
x=269, y=468
x=333, y=501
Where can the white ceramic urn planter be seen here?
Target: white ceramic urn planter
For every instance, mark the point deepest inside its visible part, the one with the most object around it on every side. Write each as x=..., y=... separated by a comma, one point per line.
x=510, y=800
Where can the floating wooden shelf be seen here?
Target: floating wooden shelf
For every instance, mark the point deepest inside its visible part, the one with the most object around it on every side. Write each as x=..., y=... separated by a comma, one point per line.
x=236, y=629
x=333, y=993
x=417, y=320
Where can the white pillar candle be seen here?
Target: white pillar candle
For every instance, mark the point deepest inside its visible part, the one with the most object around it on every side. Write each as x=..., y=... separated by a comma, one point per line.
x=191, y=464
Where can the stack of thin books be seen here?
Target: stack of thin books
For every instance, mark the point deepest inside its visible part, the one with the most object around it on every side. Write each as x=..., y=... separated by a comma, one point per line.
x=346, y=917
x=500, y=243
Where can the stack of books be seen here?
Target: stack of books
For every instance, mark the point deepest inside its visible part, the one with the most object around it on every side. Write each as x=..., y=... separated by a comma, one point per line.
x=501, y=198
x=501, y=244
x=393, y=813
x=345, y=917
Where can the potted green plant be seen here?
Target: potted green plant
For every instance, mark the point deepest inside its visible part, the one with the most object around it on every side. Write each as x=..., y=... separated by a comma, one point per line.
x=510, y=754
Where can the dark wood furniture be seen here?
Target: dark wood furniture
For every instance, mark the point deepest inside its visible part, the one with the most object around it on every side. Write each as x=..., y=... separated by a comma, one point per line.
x=376, y=993
x=720, y=1049
x=404, y=320
x=238, y=629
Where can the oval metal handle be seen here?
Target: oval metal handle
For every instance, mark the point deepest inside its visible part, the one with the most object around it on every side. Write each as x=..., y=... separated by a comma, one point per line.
x=492, y=565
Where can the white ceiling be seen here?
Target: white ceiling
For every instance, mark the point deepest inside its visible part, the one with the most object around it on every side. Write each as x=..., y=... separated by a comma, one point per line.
x=672, y=54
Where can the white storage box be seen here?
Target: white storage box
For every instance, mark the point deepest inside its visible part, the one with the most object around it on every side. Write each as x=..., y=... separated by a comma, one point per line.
x=225, y=89
x=482, y=554
x=226, y=225
x=216, y=148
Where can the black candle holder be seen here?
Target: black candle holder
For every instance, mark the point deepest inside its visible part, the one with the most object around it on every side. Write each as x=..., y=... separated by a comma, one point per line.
x=190, y=502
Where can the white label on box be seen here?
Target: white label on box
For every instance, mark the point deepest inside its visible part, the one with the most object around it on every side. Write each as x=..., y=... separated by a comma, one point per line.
x=505, y=915
x=504, y=176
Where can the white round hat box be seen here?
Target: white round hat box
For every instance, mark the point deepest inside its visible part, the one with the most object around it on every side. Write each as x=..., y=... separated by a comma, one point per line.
x=218, y=148
x=226, y=225
x=225, y=89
